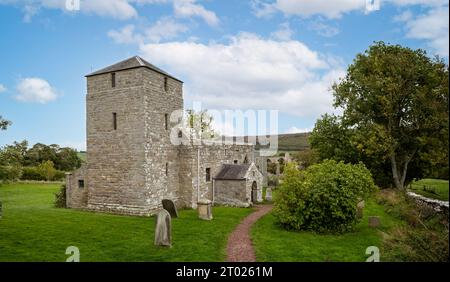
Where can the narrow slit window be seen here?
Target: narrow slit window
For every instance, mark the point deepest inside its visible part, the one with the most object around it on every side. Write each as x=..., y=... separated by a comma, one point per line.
x=166, y=121
x=180, y=134
x=208, y=174
x=166, y=87
x=167, y=169
x=80, y=183
x=113, y=79
x=115, y=121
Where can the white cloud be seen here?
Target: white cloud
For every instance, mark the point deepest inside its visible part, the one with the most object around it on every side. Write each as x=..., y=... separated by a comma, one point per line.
x=432, y=27
x=35, y=90
x=329, y=9
x=119, y=9
x=189, y=8
x=323, y=29
x=125, y=35
x=2, y=88
x=284, y=32
x=249, y=72
x=308, y=8
x=295, y=129
x=163, y=29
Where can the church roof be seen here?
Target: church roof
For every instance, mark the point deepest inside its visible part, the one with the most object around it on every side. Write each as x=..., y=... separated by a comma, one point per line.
x=131, y=63
x=232, y=172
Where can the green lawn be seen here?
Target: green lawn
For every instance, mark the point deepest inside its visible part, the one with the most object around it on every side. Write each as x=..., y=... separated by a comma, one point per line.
x=272, y=243
x=431, y=188
x=33, y=230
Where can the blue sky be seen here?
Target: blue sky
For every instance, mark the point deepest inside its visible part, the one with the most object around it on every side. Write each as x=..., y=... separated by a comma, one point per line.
x=273, y=54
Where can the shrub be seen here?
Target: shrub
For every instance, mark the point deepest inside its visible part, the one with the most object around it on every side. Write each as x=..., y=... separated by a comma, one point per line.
x=10, y=173
x=323, y=197
x=32, y=173
x=36, y=173
x=60, y=197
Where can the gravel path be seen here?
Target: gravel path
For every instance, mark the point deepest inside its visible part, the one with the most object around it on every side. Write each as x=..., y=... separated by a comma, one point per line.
x=240, y=247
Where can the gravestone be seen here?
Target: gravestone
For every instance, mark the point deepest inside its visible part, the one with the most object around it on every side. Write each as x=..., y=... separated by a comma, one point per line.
x=268, y=194
x=360, y=209
x=204, y=209
x=163, y=229
x=169, y=206
x=374, y=221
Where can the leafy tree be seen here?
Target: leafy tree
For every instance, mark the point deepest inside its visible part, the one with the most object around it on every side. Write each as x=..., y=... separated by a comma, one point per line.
x=4, y=123
x=14, y=154
x=200, y=124
x=47, y=170
x=395, y=106
x=67, y=159
x=332, y=140
x=306, y=157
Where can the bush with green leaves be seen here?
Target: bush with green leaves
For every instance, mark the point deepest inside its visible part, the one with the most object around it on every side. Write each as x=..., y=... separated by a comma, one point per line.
x=10, y=173
x=323, y=197
x=60, y=197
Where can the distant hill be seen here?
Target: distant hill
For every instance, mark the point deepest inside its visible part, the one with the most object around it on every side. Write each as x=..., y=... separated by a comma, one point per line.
x=290, y=142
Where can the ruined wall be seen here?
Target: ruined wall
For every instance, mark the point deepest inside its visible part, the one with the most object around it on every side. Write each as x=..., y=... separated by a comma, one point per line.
x=76, y=196
x=115, y=176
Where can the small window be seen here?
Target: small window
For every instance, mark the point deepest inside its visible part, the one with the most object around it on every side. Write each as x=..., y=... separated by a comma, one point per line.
x=167, y=169
x=113, y=79
x=166, y=86
x=235, y=161
x=180, y=134
x=80, y=183
x=115, y=121
x=208, y=174
x=166, y=121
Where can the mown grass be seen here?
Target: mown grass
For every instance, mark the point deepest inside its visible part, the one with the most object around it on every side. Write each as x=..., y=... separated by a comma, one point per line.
x=273, y=243
x=33, y=230
x=431, y=188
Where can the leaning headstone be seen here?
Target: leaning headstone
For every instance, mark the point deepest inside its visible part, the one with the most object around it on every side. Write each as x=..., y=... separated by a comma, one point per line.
x=360, y=209
x=169, y=206
x=374, y=221
x=163, y=229
x=268, y=194
x=204, y=209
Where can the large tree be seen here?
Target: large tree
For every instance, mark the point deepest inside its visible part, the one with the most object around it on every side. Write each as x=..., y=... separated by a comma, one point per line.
x=396, y=99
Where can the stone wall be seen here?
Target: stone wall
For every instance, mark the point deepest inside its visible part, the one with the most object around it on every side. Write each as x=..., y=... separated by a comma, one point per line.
x=76, y=196
x=212, y=157
x=231, y=192
x=162, y=164
x=115, y=157
x=254, y=175
x=239, y=192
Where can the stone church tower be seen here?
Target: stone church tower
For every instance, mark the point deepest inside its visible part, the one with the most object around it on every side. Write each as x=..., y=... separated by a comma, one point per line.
x=131, y=163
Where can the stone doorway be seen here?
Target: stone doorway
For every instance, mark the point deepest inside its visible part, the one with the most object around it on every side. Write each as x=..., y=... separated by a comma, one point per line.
x=254, y=192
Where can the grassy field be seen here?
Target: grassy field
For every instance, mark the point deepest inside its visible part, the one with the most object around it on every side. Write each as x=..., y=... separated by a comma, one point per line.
x=33, y=230
x=431, y=188
x=272, y=243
